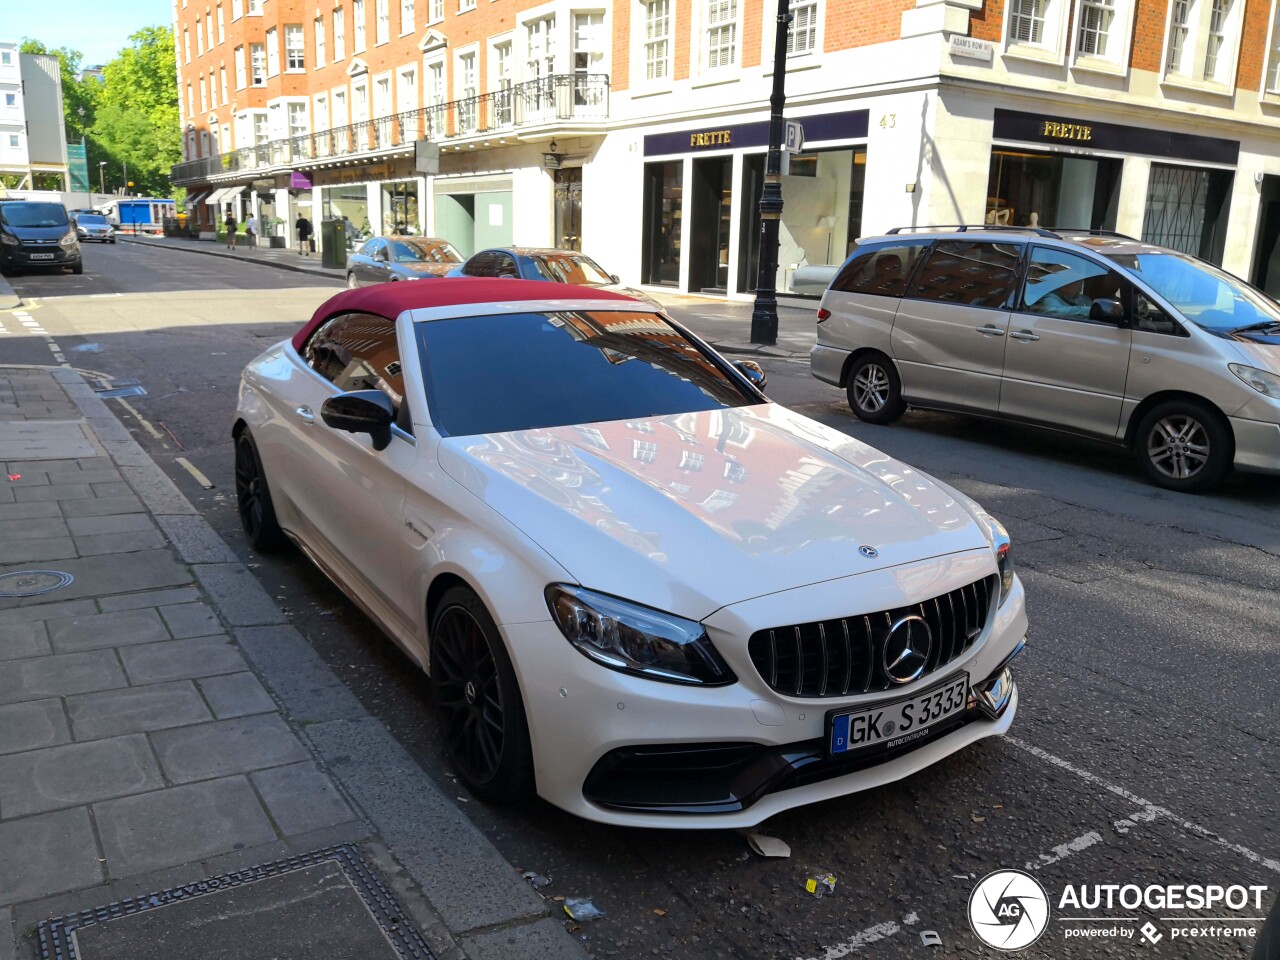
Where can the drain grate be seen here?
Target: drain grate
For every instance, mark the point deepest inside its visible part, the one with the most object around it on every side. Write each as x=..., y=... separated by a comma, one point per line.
x=32, y=583
x=57, y=937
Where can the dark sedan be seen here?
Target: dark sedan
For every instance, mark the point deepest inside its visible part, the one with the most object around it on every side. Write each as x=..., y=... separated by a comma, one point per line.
x=558, y=266
x=382, y=259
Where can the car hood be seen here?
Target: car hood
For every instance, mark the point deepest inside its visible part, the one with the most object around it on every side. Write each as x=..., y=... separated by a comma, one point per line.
x=38, y=233
x=424, y=269
x=692, y=512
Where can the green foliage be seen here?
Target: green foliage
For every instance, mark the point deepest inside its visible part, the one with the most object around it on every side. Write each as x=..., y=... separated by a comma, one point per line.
x=130, y=118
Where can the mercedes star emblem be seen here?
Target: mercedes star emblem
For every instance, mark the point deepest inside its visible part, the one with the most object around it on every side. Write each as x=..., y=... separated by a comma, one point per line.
x=869, y=552
x=907, y=649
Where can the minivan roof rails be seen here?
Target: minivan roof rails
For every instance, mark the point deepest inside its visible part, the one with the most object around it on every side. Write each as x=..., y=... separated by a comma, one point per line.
x=1097, y=233
x=965, y=227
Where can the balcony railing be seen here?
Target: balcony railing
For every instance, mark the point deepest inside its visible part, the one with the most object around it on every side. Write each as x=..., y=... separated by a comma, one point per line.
x=560, y=97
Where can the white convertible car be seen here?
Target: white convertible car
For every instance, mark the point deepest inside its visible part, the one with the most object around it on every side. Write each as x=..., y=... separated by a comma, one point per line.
x=637, y=586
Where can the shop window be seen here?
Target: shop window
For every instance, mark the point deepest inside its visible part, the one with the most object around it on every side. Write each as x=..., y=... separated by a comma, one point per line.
x=720, y=34
x=663, y=208
x=967, y=272
x=882, y=269
x=1052, y=190
x=1187, y=210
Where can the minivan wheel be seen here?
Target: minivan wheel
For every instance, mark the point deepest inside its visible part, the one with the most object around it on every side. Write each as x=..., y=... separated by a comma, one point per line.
x=1183, y=445
x=874, y=389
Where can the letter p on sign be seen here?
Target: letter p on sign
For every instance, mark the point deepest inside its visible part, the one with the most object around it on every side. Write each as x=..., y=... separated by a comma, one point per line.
x=792, y=137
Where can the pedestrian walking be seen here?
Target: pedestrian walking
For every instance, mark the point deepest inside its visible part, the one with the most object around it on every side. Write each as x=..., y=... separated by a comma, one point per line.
x=251, y=230
x=231, y=224
x=303, y=229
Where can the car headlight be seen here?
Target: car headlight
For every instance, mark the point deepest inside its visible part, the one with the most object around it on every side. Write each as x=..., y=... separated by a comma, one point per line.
x=634, y=639
x=1003, y=548
x=69, y=240
x=1264, y=381
x=81, y=231
x=9, y=240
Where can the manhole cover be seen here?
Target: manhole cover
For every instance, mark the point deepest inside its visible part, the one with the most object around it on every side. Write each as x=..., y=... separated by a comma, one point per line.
x=32, y=583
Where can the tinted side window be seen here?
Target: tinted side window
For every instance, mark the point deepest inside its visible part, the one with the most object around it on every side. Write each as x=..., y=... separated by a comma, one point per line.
x=1061, y=284
x=481, y=265
x=358, y=352
x=368, y=248
x=977, y=273
x=883, y=269
x=505, y=266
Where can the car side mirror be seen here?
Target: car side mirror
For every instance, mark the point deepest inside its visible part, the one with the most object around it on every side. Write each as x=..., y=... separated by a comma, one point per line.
x=361, y=411
x=1108, y=310
x=753, y=372
x=614, y=278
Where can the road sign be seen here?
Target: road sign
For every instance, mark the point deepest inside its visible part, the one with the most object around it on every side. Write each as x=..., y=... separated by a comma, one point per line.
x=793, y=137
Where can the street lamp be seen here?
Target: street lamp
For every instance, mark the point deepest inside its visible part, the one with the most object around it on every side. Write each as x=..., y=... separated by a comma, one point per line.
x=101, y=183
x=764, y=316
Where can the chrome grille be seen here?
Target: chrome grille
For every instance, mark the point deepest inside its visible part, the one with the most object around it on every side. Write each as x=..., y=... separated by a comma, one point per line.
x=839, y=658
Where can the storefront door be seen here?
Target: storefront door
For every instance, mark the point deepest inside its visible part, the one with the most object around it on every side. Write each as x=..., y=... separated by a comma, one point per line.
x=709, y=249
x=1266, y=259
x=569, y=208
x=663, y=208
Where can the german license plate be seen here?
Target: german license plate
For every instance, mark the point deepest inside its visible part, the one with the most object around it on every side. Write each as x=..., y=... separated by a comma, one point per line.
x=42, y=256
x=897, y=722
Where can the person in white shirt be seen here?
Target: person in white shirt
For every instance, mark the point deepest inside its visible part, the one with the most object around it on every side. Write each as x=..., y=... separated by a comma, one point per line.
x=251, y=231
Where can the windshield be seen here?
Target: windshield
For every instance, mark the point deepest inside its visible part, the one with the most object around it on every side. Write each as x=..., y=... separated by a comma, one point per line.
x=34, y=214
x=424, y=251
x=571, y=268
x=1204, y=294
x=92, y=219
x=529, y=370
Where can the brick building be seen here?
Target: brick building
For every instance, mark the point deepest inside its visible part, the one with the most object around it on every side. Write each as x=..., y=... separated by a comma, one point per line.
x=636, y=129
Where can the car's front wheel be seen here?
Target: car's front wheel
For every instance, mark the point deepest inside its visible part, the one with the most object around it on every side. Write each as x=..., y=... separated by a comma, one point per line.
x=874, y=389
x=351, y=281
x=478, y=700
x=253, y=498
x=1184, y=445
x=77, y=268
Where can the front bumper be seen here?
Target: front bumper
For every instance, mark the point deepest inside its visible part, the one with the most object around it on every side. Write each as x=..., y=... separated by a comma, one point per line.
x=1257, y=445
x=32, y=257
x=740, y=753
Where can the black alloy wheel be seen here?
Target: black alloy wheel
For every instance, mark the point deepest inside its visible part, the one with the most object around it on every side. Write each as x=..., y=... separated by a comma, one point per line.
x=253, y=498
x=478, y=700
x=874, y=389
x=1184, y=445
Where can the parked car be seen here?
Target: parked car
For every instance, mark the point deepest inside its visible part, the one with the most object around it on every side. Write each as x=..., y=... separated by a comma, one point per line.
x=558, y=266
x=1100, y=335
x=94, y=226
x=35, y=235
x=638, y=587
x=382, y=259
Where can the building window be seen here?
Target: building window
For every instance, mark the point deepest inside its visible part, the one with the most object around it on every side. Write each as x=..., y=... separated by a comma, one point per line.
x=10, y=99
x=357, y=25
x=1187, y=210
x=382, y=20
x=237, y=9
x=191, y=106
x=339, y=34
x=13, y=137
x=322, y=112
x=1026, y=21
x=382, y=97
x=435, y=11
x=1273, y=66
x=802, y=35
x=540, y=36
x=407, y=94
x=1217, y=38
x=255, y=8
x=1203, y=35
x=1096, y=18
x=467, y=77
x=186, y=44
x=295, y=48
x=7, y=58
x=240, y=74
x=222, y=29
x=204, y=102
x=1179, y=31
x=465, y=5
x=298, y=120
x=199, y=40
x=258, y=64
x=208, y=30
x=261, y=132
x=690, y=461
x=646, y=451
x=319, y=41
x=435, y=84
x=273, y=52
x=504, y=71
x=721, y=34
x=360, y=102
x=657, y=39
x=339, y=108
x=222, y=77
x=406, y=17
x=589, y=42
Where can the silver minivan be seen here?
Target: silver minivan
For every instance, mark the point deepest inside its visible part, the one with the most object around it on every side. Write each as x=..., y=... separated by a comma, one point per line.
x=1084, y=331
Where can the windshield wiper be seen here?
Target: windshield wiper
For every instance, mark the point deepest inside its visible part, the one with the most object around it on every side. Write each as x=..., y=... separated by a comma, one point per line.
x=1264, y=326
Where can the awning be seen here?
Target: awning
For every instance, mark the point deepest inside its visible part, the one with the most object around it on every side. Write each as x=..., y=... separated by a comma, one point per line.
x=221, y=196
x=195, y=199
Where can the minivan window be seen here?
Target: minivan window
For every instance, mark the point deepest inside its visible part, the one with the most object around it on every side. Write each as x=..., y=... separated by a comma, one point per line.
x=1061, y=284
x=882, y=270
x=1205, y=295
x=974, y=273
x=34, y=214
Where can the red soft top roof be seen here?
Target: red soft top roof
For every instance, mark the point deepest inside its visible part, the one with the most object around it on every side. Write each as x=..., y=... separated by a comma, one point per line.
x=392, y=299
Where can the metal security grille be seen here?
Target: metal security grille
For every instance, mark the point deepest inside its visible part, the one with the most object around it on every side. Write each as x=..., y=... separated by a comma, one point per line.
x=1176, y=208
x=838, y=658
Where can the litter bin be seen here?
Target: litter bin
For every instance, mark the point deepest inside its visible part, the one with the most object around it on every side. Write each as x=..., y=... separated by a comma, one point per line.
x=333, y=244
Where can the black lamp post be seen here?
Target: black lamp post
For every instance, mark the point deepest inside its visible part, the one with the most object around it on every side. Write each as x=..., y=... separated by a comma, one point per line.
x=764, y=317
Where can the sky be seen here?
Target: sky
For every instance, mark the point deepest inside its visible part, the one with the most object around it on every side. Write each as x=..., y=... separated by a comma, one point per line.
x=97, y=28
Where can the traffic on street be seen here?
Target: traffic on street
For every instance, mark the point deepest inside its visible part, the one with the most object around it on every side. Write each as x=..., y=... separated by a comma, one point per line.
x=1142, y=750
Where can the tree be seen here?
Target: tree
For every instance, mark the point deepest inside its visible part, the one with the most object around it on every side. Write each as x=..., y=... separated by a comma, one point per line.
x=137, y=110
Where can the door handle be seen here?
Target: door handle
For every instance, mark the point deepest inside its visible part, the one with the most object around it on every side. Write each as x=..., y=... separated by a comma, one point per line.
x=305, y=414
x=1026, y=336
x=991, y=330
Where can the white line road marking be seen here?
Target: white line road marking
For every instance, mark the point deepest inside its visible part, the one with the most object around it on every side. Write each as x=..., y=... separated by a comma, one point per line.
x=60, y=358
x=881, y=931
x=1064, y=850
x=1149, y=810
x=188, y=466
